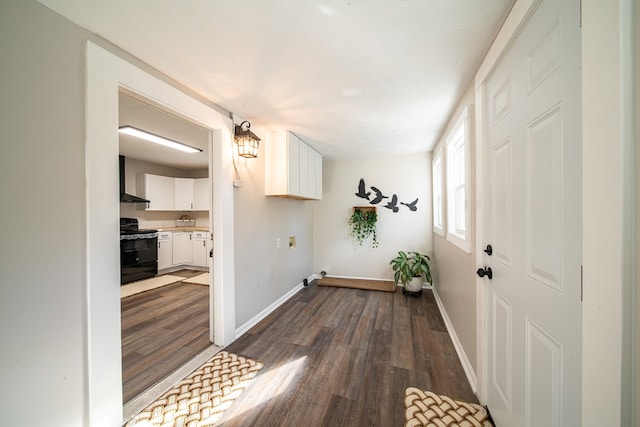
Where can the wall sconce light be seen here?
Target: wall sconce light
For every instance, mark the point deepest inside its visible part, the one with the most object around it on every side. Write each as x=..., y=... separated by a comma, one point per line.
x=246, y=140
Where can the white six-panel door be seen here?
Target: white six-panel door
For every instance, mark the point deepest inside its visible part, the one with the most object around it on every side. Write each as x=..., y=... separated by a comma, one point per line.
x=533, y=223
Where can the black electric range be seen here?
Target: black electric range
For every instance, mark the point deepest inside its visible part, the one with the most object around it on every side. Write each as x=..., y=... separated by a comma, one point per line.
x=138, y=251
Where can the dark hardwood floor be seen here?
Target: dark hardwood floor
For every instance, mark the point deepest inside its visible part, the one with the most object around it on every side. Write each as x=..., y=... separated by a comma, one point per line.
x=161, y=330
x=343, y=357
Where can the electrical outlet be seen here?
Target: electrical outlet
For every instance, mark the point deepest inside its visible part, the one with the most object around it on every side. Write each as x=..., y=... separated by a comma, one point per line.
x=278, y=242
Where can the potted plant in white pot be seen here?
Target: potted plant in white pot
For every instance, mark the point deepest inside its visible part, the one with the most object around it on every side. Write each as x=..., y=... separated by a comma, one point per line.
x=411, y=270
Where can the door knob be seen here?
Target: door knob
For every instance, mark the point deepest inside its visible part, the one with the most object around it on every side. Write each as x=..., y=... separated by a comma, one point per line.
x=489, y=250
x=485, y=272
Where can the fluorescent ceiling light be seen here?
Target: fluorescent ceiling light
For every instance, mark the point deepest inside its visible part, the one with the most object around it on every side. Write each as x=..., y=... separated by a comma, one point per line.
x=129, y=130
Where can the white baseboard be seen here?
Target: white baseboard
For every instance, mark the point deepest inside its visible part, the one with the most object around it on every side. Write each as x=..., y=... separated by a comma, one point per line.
x=466, y=365
x=267, y=311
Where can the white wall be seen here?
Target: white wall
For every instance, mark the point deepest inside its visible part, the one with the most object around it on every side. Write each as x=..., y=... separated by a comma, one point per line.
x=455, y=269
x=264, y=273
x=42, y=256
x=334, y=251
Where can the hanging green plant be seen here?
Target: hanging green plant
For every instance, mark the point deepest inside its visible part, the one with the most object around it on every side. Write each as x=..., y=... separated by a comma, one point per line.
x=363, y=226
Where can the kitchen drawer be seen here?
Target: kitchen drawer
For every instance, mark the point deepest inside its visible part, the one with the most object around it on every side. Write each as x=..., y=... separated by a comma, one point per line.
x=200, y=234
x=165, y=235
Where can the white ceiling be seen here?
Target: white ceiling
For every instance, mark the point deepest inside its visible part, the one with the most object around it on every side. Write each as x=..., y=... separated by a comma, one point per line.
x=351, y=77
x=144, y=116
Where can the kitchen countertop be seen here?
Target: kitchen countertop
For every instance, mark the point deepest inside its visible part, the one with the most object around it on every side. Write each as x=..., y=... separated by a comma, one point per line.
x=184, y=229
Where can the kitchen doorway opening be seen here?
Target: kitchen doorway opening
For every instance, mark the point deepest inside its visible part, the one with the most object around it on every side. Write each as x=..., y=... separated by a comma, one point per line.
x=107, y=74
x=165, y=317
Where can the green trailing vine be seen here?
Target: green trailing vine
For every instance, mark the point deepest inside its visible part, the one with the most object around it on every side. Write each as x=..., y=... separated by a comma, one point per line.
x=363, y=226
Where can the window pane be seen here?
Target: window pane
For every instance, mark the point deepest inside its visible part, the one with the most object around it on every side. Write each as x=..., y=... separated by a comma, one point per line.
x=438, y=196
x=460, y=210
x=457, y=167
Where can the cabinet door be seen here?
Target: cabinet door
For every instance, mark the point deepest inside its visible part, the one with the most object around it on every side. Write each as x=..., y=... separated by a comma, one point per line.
x=201, y=194
x=200, y=254
x=182, y=248
x=293, y=177
x=159, y=191
x=165, y=252
x=318, y=189
x=303, y=156
x=183, y=194
x=311, y=194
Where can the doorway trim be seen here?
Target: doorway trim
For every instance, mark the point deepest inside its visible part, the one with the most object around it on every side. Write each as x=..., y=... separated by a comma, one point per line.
x=106, y=74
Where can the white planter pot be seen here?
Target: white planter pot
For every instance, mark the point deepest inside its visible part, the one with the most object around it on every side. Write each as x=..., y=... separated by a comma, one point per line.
x=414, y=285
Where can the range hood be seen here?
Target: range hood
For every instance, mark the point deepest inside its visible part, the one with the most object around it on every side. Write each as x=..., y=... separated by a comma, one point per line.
x=124, y=197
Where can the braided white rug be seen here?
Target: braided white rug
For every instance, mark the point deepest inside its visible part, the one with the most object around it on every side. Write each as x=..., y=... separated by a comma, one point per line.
x=200, y=399
x=423, y=408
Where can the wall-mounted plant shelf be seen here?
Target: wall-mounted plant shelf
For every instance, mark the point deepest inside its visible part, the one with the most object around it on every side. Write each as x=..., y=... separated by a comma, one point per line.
x=362, y=223
x=365, y=209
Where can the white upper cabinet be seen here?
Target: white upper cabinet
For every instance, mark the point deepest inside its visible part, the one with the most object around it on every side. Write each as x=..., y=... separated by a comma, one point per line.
x=201, y=194
x=158, y=190
x=292, y=168
x=303, y=162
x=174, y=194
x=183, y=194
x=318, y=188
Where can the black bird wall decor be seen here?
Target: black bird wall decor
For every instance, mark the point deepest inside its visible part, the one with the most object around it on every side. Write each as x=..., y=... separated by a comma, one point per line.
x=412, y=206
x=362, y=191
x=393, y=204
x=379, y=197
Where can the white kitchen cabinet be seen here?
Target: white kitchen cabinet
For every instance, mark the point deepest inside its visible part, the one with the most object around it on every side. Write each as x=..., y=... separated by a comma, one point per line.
x=167, y=193
x=183, y=194
x=200, y=252
x=314, y=165
x=291, y=168
x=201, y=194
x=303, y=165
x=165, y=250
x=182, y=248
x=291, y=165
x=318, y=187
x=158, y=190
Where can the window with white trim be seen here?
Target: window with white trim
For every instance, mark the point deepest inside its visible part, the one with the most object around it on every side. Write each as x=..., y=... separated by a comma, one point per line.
x=458, y=171
x=437, y=181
